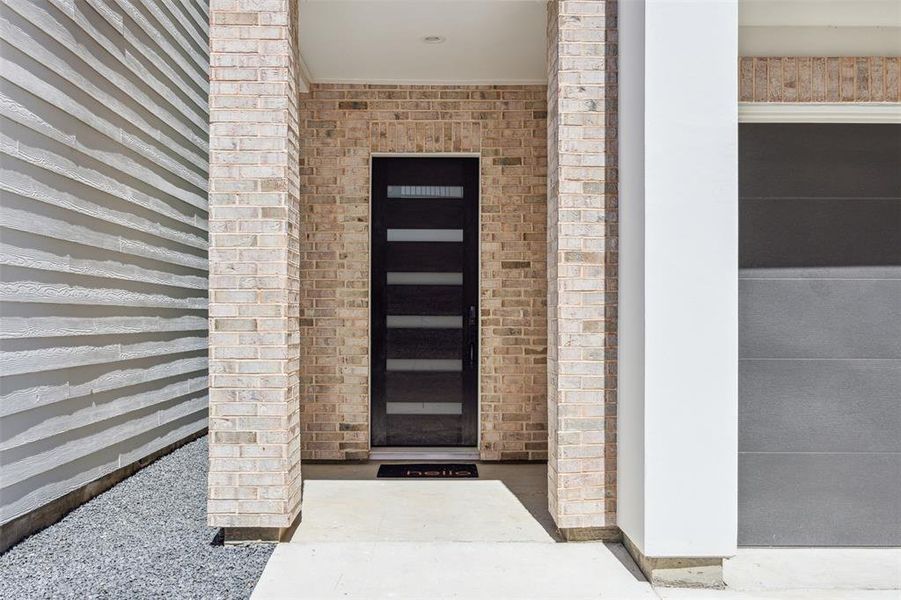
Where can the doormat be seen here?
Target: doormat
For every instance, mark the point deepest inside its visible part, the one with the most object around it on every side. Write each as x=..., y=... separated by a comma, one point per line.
x=429, y=471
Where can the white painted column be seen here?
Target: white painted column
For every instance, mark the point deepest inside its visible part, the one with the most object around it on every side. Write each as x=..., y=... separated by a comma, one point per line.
x=678, y=319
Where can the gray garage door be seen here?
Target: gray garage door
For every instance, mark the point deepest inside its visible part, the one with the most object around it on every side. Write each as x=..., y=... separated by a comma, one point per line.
x=820, y=335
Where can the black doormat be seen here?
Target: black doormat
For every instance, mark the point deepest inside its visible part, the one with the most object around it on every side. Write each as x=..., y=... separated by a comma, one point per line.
x=429, y=471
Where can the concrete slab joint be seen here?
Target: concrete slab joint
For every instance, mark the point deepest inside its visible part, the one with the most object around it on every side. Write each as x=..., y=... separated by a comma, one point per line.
x=254, y=481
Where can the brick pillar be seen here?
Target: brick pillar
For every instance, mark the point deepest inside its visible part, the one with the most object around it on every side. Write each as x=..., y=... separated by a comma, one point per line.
x=582, y=266
x=254, y=482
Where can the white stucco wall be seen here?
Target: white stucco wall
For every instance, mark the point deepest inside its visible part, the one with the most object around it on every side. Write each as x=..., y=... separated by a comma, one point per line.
x=103, y=246
x=631, y=305
x=678, y=277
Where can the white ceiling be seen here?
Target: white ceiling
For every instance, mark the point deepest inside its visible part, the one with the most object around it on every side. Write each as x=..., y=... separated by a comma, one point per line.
x=503, y=41
x=819, y=27
x=380, y=41
x=820, y=13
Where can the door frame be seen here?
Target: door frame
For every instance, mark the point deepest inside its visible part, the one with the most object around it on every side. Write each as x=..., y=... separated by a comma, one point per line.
x=427, y=452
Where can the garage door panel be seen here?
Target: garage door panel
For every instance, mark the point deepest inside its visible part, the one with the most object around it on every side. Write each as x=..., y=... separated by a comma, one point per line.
x=819, y=319
x=821, y=232
x=835, y=499
x=820, y=160
x=819, y=406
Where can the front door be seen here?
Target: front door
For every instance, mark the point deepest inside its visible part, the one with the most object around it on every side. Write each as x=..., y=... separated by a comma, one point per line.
x=425, y=301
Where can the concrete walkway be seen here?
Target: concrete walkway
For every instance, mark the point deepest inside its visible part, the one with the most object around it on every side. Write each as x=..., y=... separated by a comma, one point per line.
x=463, y=570
x=487, y=538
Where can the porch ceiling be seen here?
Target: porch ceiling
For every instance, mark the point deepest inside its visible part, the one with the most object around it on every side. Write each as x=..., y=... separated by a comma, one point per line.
x=381, y=41
x=820, y=27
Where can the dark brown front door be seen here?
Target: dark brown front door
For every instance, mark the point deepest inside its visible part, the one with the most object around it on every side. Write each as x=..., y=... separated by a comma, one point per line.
x=425, y=301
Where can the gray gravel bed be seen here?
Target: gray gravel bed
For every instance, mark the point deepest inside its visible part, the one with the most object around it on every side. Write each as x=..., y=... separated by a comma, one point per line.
x=144, y=538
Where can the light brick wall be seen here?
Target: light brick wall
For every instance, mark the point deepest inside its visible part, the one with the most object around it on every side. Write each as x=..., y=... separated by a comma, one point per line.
x=820, y=79
x=254, y=265
x=582, y=259
x=341, y=126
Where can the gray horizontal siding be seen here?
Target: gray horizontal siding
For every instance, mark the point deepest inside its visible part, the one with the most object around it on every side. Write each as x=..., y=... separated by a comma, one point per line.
x=103, y=238
x=820, y=335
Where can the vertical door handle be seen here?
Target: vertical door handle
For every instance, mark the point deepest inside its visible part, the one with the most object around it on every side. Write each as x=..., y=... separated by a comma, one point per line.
x=472, y=327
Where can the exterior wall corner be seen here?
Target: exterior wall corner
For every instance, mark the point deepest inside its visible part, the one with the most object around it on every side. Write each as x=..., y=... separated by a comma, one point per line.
x=254, y=479
x=582, y=263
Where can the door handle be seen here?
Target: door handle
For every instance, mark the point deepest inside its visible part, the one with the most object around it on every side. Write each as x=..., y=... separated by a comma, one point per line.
x=472, y=333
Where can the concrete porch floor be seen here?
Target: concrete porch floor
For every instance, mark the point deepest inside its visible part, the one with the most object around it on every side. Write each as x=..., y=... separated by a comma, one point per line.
x=492, y=538
x=346, y=502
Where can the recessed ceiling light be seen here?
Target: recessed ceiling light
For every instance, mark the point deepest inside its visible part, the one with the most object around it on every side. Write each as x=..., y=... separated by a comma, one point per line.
x=433, y=39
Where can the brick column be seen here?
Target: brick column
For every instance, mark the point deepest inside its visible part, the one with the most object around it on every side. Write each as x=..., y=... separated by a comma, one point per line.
x=582, y=266
x=254, y=482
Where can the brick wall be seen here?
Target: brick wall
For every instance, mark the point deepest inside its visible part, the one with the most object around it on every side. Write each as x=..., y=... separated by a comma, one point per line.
x=341, y=125
x=582, y=259
x=254, y=285
x=820, y=79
